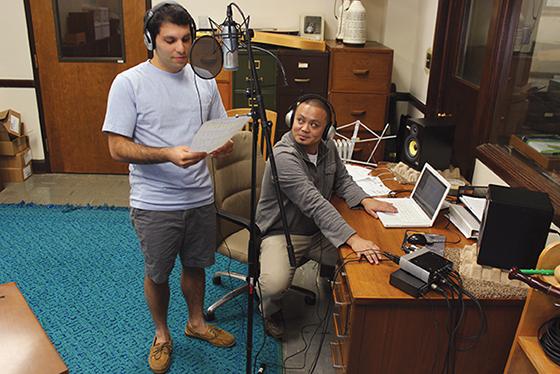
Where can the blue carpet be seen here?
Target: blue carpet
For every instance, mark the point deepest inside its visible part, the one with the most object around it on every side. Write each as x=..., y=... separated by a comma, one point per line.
x=81, y=272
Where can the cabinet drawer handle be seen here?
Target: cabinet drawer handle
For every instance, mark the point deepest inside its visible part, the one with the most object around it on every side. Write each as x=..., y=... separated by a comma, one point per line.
x=247, y=79
x=339, y=304
x=302, y=80
x=358, y=112
x=360, y=71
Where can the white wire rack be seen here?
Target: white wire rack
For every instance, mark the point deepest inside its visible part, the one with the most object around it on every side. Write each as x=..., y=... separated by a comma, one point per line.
x=345, y=145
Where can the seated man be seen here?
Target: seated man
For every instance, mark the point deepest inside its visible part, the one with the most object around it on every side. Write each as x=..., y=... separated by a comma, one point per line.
x=309, y=171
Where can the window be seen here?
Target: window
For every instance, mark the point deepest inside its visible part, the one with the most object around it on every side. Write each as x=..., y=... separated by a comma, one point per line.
x=473, y=40
x=530, y=103
x=89, y=30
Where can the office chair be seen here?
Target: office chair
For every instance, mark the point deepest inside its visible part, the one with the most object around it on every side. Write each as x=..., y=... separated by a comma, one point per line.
x=232, y=194
x=270, y=115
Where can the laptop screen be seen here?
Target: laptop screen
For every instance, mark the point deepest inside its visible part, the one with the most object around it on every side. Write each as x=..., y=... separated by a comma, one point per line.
x=429, y=192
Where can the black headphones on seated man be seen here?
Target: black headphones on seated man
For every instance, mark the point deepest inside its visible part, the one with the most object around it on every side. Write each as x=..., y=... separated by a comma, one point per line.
x=330, y=130
x=149, y=39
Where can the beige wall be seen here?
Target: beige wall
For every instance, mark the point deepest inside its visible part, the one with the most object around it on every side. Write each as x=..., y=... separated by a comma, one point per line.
x=405, y=25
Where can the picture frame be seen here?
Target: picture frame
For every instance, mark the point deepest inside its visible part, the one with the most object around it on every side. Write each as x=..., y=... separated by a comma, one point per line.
x=312, y=26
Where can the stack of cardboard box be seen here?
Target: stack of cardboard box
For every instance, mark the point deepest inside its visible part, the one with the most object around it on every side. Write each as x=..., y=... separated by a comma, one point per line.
x=15, y=153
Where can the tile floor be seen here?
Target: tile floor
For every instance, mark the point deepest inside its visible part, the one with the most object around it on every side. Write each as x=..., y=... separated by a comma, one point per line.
x=303, y=322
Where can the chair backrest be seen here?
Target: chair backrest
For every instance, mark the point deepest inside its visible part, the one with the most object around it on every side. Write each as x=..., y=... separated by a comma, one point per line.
x=232, y=182
x=270, y=115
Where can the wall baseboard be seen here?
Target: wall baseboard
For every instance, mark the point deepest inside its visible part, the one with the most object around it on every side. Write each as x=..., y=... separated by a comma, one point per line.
x=407, y=96
x=17, y=83
x=39, y=166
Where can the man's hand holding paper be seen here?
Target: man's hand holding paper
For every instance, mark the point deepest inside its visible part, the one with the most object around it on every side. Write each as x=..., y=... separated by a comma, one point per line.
x=214, y=135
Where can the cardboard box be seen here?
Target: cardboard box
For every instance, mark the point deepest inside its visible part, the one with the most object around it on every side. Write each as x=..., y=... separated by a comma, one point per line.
x=76, y=38
x=13, y=147
x=16, y=174
x=19, y=161
x=11, y=124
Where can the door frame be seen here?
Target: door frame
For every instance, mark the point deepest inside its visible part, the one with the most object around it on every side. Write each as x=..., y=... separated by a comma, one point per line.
x=39, y=167
x=503, y=24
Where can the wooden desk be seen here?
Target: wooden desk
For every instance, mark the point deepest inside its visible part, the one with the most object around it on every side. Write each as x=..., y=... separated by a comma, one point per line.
x=24, y=346
x=380, y=329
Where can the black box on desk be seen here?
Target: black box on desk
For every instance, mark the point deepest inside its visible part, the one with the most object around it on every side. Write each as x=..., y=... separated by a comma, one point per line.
x=514, y=227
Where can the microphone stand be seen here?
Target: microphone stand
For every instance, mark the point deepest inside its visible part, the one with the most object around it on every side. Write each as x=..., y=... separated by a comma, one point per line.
x=260, y=113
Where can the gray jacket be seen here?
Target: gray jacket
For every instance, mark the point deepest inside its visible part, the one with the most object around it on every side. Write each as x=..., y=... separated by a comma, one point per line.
x=306, y=192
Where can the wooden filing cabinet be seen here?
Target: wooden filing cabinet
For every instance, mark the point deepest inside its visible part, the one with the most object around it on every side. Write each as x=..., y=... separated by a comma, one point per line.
x=266, y=70
x=359, y=88
x=306, y=73
x=223, y=80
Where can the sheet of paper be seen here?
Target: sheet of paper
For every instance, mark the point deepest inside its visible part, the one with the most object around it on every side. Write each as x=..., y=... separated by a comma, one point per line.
x=373, y=186
x=215, y=133
x=476, y=205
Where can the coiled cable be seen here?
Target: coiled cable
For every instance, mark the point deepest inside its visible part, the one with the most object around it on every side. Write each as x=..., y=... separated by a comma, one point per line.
x=550, y=339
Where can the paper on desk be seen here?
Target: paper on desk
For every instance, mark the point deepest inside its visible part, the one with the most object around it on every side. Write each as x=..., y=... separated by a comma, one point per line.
x=373, y=186
x=475, y=204
x=216, y=132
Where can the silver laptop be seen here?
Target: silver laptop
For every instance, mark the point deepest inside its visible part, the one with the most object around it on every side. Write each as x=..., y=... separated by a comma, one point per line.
x=423, y=205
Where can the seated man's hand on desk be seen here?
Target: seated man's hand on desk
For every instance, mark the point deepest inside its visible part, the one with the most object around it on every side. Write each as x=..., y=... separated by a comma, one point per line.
x=364, y=247
x=372, y=206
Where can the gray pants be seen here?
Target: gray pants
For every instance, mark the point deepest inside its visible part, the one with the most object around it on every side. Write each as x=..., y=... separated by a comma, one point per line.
x=276, y=273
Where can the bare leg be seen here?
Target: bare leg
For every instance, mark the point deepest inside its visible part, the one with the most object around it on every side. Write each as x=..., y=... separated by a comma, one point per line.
x=193, y=284
x=157, y=298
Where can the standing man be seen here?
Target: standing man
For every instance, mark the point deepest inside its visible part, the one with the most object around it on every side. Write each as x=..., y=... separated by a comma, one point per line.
x=309, y=171
x=154, y=110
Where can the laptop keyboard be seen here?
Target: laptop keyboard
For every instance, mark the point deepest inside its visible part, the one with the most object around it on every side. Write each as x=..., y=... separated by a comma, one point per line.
x=406, y=213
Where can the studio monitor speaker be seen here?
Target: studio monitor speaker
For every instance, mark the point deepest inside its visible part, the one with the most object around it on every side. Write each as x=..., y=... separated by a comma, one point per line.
x=423, y=140
x=514, y=227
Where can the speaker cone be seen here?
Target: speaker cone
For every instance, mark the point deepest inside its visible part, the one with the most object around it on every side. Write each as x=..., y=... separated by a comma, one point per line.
x=413, y=148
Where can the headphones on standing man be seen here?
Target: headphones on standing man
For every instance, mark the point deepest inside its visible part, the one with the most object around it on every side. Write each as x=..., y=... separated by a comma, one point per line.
x=330, y=130
x=149, y=39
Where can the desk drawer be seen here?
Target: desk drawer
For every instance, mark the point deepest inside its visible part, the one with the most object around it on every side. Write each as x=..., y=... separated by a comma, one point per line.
x=306, y=71
x=361, y=72
x=338, y=362
x=342, y=306
x=370, y=109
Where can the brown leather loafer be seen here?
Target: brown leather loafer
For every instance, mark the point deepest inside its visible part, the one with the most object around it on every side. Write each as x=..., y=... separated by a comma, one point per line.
x=275, y=325
x=213, y=335
x=160, y=357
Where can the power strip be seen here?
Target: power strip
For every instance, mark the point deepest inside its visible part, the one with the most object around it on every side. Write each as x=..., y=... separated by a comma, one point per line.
x=424, y=264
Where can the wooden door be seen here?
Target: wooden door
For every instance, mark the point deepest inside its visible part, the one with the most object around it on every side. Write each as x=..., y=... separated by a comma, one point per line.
x=463, y=29
x=74, y=94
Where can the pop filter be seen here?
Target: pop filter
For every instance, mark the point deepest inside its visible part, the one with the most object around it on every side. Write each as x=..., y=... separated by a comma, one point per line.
x=206, y=57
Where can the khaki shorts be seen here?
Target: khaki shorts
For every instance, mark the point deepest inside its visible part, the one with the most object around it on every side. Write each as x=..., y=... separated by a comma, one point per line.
x=163, y=235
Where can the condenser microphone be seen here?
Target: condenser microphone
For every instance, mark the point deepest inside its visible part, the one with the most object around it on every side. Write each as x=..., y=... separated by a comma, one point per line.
x=230, y=42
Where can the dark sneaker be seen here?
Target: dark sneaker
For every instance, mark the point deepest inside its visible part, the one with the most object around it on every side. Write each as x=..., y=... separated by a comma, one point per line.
x=213, y=335
x=160, y=357
x=275, y=325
